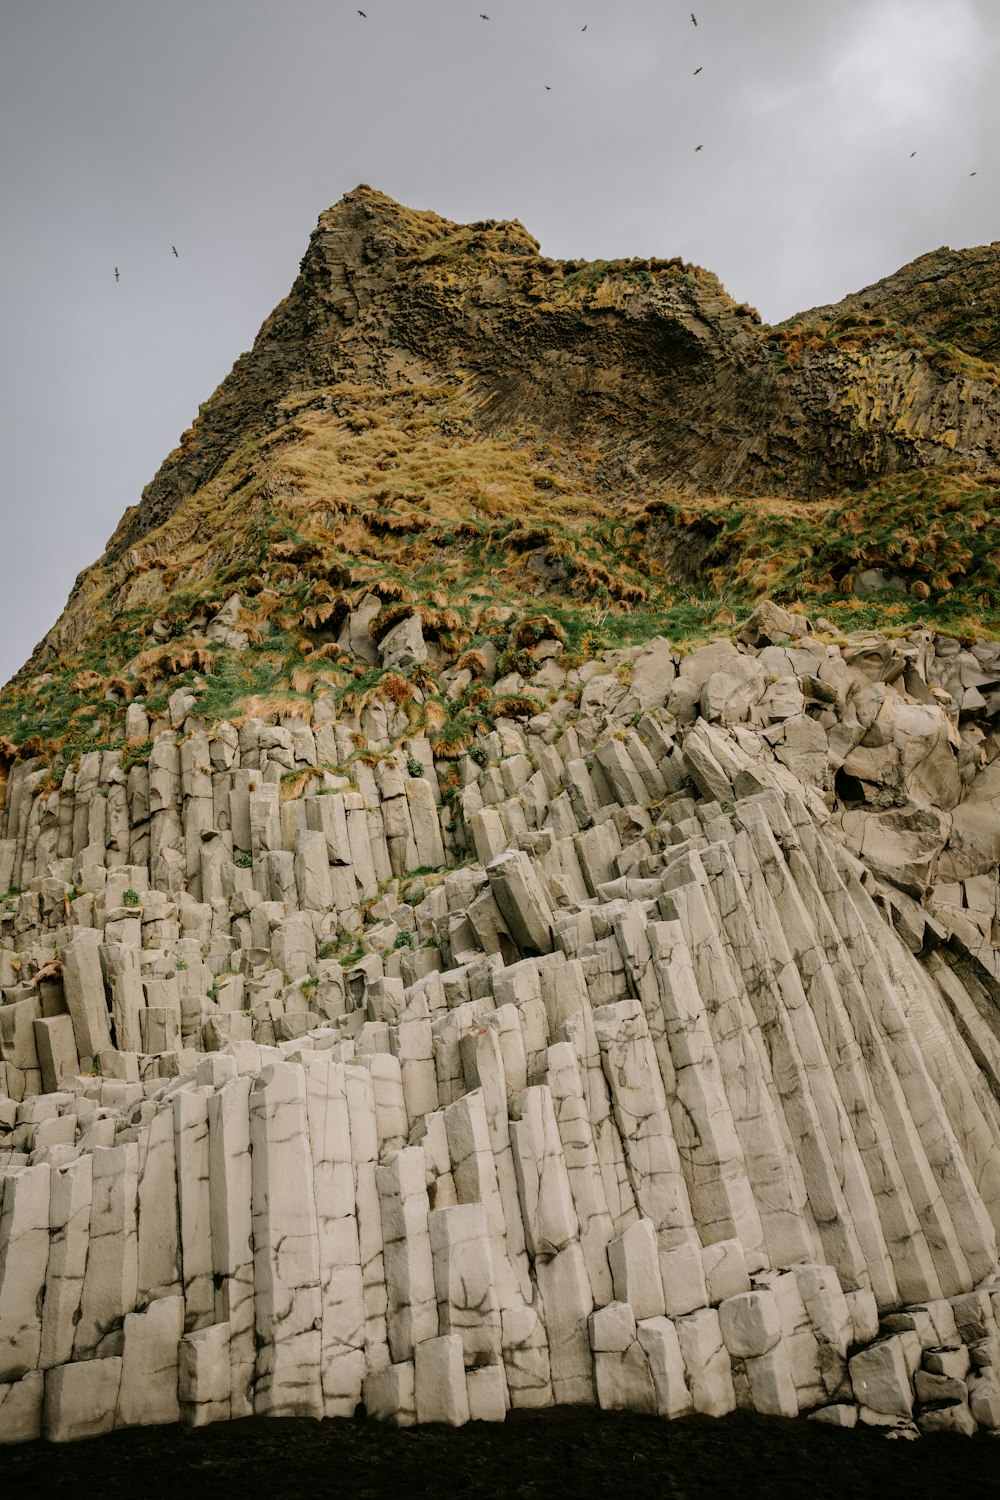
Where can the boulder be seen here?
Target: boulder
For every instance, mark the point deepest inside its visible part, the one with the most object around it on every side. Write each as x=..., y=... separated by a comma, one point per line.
x=750, y=1323
x=441, y=1392
x=701, y=663
x=403, y=646
x=840, y=1415
x=658, y=1337
x=875, y=659
x=728, y=695
x=80, y=1399
x=518, y=893
x=782, y=699
x=902, y=753
x=355, y=634
x=800, y=744
x=652, y=675
x=770, y=625
x=953, y=1417
x=984, y=1399
x=881, y=1379
x=902, y=847
x=21, y=1408
x=389, y=1394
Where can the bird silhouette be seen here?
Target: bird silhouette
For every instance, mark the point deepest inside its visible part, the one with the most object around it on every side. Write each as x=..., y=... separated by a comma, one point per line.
x=912, y=155
x=696, y=72
x=973, y=174
x=699, y=148
x=694, y=19
x=483, y=17
x=174, y=249
x=548, y=88
x=583, y=28
x=116, y=273
x=362, y=15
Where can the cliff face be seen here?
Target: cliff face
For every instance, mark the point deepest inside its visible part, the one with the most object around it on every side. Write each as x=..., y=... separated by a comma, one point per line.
x=430, y=976
x=650, y=360
x=949, y=295
x=440, y=417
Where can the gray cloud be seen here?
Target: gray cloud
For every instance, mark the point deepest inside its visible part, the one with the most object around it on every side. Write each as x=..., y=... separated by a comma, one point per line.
x=226, y=126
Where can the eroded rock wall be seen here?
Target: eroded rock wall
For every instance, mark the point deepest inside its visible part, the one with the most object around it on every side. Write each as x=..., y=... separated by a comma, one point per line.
x=661, y=1075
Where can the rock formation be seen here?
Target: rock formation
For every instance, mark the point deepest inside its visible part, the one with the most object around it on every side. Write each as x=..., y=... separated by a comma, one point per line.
x=417, y=999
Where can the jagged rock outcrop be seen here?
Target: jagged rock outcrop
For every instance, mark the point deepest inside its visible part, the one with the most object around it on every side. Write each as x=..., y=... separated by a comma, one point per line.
x=425, y=981
x=653, y=349
x=949, y=295
x=648, y=362
x=647, y=1082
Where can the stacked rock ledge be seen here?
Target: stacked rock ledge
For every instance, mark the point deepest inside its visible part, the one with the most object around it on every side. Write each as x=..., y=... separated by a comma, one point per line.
x=658, y=1069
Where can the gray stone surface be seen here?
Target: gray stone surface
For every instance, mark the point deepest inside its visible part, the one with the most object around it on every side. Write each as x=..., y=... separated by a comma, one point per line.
x=668, y=1084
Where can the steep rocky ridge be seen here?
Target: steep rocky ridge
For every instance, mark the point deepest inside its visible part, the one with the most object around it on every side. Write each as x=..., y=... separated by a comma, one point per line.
x=434, y=975
x=388, y=295
x=949, y=295
x=430, y=392
x=652, y=359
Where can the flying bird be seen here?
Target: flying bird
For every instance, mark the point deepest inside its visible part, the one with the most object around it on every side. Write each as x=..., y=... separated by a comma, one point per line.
x=912, y=155
x=174, y=249
x=699, y=148
x=116, y=273
x=694, y=19
x=973, y=174
x=362, y=15
x=583, y=28
x=482, y=17
x=548, y=88
x=697, y=71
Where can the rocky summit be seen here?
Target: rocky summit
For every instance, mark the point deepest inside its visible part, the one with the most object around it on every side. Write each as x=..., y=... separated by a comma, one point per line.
x=501, y=865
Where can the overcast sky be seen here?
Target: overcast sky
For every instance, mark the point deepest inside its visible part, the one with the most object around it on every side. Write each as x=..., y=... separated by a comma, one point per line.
x=225, y=127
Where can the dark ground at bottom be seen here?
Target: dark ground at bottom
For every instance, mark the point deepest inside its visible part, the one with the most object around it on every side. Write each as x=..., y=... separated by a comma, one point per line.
x=571, y=1451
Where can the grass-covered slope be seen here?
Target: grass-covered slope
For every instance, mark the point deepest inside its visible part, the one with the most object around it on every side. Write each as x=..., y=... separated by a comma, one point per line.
x=516, y=449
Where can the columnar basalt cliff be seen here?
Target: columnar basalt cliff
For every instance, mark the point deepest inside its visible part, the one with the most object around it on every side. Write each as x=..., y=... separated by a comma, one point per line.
x=434, y=974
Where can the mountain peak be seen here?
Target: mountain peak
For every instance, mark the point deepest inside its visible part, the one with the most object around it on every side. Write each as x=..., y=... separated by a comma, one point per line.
x=443, y=381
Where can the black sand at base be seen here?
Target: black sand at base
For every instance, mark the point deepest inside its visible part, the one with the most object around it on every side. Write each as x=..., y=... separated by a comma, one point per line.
x=571, y=1451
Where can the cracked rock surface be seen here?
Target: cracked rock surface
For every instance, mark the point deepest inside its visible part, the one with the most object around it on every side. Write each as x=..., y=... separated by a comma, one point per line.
x=670, y=1086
